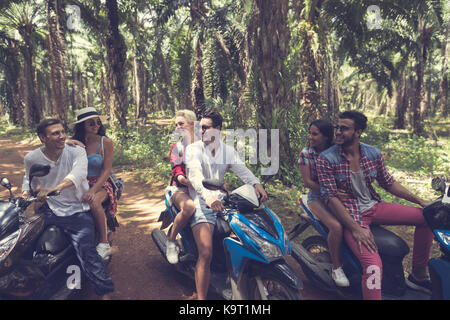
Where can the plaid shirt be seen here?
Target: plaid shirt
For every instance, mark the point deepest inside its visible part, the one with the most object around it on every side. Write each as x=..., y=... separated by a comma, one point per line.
x=308, y=156
x=333, y=170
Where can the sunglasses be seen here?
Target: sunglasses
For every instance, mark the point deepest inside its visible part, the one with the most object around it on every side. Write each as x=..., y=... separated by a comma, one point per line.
x=204, y=128
x=341, y=128
x=92, y=123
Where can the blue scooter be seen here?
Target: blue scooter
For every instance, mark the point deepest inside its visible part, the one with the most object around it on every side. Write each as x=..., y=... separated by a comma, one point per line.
x=249, y=245
x=313, y=256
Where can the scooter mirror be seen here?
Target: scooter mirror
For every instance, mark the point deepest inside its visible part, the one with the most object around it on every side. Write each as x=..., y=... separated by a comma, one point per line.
x=39, y=170
x=438, y=184
x=5, y=182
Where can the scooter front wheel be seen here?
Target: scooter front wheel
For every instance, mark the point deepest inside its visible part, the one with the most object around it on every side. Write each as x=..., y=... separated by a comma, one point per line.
x=269, y=287
x=318, y=248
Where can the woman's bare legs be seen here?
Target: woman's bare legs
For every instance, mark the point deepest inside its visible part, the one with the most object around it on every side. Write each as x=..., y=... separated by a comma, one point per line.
x=182, y=201
x=203, y=235
x=99, y=214
x=335, y=233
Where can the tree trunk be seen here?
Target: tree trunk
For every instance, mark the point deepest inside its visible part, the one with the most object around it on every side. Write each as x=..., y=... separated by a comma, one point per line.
x=165, y=85
x=311, y=75
x=116, y=51
x=269, y=51
x=421, y=55
x=14, y=77
x=33, y=113
x=198, y=13
x=105, y=90
x=199, y=91
x=401, y=103
x=269, y=42
x=443, y=85
x=57, y=56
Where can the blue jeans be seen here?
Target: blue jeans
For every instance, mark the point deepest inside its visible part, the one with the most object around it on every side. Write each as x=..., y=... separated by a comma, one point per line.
x=313, y=196
x=80, y=228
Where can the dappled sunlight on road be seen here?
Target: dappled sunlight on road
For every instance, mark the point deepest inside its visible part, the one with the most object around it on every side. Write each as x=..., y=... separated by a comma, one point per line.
x=140, y=204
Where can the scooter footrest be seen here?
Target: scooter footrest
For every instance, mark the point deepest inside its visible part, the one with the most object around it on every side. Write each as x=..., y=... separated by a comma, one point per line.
x=187, y=257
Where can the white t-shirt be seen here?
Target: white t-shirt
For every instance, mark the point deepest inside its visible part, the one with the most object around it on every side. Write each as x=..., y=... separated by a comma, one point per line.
x=201, y=164
x=72, y=165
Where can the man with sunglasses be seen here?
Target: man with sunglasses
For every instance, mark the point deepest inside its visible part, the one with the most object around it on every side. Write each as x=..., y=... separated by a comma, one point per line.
x=353, y=166
x=210, y=158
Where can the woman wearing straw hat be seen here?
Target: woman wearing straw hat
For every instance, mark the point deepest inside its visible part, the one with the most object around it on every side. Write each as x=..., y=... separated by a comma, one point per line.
x=99, y=149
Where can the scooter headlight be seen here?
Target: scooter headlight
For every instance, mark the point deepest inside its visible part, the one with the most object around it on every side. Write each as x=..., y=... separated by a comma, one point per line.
x=6, y=244
x=269, y=250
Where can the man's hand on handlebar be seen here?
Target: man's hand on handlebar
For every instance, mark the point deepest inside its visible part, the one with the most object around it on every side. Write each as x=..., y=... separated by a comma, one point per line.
x=44, y=193
x=260, y=192
x=215, y=204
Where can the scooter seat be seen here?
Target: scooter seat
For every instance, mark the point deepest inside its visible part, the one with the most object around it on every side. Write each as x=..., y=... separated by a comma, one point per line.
x=388, y=243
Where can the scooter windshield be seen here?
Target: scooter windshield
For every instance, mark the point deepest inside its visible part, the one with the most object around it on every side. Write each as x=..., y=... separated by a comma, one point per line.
x=262, y=219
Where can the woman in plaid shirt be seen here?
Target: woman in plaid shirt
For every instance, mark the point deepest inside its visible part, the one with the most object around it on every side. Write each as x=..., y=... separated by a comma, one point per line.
x=320, y=137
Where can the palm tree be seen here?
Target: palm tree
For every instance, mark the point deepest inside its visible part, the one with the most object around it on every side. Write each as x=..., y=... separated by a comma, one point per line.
x=57, y=55
x=269, y=37
x=407, y=28
x=10, y=79
x=23, y=22
x=116, y=52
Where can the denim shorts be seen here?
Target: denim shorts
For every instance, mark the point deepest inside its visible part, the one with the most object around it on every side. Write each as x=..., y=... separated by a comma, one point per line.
x=313, y=196
x=202, y=215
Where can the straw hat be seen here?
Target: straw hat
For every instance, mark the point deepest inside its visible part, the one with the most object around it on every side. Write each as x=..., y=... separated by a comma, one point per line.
x=88, y=113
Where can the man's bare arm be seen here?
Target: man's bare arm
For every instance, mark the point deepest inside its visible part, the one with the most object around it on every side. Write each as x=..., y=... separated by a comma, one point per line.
x=399, y=191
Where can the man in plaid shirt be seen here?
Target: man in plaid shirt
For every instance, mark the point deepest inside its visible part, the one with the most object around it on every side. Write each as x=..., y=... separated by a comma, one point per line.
x=352, y=166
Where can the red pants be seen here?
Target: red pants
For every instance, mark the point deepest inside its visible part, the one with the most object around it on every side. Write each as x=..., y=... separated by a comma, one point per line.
x=389, y=214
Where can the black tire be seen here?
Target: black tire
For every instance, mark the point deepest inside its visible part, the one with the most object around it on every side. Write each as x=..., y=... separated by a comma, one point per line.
x=160, y=238
x=277, y=289
x=317, y=247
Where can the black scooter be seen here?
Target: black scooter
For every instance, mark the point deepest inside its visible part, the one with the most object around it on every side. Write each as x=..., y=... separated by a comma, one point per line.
x=313, y=256
x=36, y=262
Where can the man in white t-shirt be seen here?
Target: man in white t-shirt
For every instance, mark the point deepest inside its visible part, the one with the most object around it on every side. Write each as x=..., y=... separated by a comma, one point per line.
x=210, y=158
x=68, y=170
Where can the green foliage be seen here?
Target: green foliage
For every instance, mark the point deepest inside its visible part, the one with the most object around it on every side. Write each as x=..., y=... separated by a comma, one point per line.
x=147, y=148
x=404, y=151
x=11, y=131
x=377, y=133
x=414, y=154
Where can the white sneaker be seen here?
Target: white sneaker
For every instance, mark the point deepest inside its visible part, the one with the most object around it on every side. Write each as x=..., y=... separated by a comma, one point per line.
x=172, y=251
x=104, y=250
x=339, y=277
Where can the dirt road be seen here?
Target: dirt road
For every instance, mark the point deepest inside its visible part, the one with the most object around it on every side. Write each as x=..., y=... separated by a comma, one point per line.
x=137, y=269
